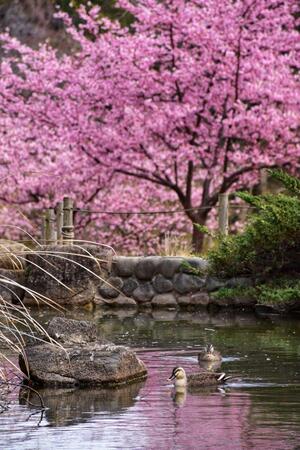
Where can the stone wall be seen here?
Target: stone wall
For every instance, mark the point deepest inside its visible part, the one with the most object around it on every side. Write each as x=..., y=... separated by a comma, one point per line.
x=69, y=275
x=155, y=281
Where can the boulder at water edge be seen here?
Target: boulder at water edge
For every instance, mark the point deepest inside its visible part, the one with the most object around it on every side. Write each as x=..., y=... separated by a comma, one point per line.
x=82, y=362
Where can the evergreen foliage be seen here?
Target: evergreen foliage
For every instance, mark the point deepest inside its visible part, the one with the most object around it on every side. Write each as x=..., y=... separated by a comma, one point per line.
x=282, y=292
x=291, y=183
x=270, y=243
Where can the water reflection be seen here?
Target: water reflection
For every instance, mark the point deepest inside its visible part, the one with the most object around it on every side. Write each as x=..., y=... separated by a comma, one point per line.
x=179, y=396
x=74, y=405
x=260, y=409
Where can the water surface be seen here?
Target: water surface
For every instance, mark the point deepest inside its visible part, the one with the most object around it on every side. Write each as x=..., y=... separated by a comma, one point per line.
x=258, y=410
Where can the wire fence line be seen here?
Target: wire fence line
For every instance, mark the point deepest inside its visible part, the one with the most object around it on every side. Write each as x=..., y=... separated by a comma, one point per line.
x=177, y=211
x=58, y=222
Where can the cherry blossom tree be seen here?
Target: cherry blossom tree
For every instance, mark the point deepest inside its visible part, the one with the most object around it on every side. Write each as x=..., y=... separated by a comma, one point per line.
x=190, y=101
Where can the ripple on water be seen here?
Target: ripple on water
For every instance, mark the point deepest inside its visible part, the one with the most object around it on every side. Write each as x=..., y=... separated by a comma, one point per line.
x=261, y=410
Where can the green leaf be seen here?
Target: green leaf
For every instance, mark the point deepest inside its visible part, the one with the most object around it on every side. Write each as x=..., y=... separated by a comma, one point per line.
x=203, y=229
x=290, y=182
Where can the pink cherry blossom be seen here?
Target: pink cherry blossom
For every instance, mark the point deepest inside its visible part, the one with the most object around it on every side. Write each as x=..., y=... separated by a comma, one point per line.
x=190, y=101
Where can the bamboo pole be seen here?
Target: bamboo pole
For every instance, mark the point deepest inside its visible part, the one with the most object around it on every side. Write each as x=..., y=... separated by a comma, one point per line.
x=223, y=213
x=68, y=225
x=263, y=181
x=47, y=226
x=50, y=226
x=59, y=221
x=43, y=230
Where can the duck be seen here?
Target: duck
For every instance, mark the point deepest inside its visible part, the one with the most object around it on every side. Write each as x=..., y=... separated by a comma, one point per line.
x=197, y=379
x=210, y=366
x=209, y=354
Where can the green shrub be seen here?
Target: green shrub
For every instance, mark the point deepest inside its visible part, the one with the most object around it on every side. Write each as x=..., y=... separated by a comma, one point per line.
x=279, y=292
x=284, y=292
x=271, y=241
x=235, y=293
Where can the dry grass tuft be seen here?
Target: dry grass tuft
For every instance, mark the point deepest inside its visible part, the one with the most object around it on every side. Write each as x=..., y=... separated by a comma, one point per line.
x=175, y=245
x=16, y=322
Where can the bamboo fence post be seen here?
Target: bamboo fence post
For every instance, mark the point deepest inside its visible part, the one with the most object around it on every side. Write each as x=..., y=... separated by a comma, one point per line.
x=43, y=230
x=223, y=214
x=263, y=181
x=68, y=225
x=50, y=226
x=47, y=225
x=59, y=221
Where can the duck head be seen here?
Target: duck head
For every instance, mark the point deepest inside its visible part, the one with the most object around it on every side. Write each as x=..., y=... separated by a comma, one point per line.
x=210, y=348
x=179, y=377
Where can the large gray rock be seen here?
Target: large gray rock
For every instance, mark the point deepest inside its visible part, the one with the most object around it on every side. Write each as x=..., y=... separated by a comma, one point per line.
x=169, y=265
x=129, y=285
x=92, y=363
x=65, y=273
x=197, y=299
x=72, y=331
x=184, y=300
x=164, y=301
x=11, y=284
x=146, y=267
x=84, y=361
x=144, y=293
x=162, y=284
x=200, y=298
x=12, y=270
x=12, y=255
x=213, y=284
x=124, y=266
x=120, y=301
x=111, y=287
x=184, y=283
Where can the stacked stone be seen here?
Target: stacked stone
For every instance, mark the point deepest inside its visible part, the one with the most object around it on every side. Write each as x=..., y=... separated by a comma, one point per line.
x=12, y=271
x=155, y=281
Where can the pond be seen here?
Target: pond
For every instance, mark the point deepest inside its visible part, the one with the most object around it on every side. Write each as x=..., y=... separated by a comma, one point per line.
x=260, y=409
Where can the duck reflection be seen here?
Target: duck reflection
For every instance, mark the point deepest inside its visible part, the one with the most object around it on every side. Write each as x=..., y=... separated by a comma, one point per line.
x=76, y=405
x=179, y=396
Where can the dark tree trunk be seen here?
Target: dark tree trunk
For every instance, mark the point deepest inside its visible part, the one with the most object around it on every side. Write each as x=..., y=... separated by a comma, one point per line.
x=197, y=240
x=198, y=236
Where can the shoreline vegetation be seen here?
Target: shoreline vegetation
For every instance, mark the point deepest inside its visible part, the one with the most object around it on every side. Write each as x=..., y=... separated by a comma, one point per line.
x=257, y=269
x=281, y=296
x=268, y=251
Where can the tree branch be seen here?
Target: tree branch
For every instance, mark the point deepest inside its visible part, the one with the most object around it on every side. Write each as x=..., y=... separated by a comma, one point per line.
x=188, y=181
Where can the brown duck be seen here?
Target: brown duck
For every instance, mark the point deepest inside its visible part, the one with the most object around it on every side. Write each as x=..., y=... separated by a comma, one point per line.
x=209, y=354
x=197, y=379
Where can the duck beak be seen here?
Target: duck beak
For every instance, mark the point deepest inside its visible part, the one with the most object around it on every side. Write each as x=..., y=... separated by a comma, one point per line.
x=171, y=377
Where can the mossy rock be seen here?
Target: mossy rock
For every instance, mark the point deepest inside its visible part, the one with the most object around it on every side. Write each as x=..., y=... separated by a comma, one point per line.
x=12, y=255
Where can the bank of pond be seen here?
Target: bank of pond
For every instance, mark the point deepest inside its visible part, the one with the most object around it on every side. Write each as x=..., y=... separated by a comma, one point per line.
x=257, y=409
